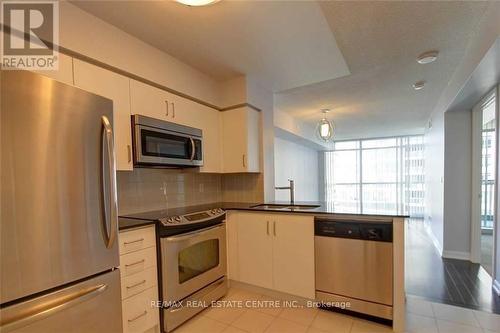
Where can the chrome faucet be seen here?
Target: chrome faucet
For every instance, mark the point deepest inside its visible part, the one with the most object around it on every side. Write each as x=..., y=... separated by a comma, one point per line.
x=291, y=187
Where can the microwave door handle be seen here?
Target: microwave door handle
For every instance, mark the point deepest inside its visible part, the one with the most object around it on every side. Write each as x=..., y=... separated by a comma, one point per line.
x=193, y=149
x=109, y=195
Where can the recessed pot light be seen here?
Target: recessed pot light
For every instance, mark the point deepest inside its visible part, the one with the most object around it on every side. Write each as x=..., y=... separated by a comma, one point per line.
x=418, y=85
x=197, y=3
x=427, y=57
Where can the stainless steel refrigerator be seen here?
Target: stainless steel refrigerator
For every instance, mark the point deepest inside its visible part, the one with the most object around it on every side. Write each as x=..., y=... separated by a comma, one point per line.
x=58, y=248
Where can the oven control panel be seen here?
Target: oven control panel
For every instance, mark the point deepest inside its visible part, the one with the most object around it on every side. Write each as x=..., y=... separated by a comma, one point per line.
x=192, y=218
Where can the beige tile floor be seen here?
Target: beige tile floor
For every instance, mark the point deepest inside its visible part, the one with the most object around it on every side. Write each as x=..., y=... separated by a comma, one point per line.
x=422, y=317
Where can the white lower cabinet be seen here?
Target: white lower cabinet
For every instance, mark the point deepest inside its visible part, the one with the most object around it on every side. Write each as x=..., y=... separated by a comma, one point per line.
x=139, y=280
x=255, y=248
x=138, y=314
x=293, y=254
x=274, y=251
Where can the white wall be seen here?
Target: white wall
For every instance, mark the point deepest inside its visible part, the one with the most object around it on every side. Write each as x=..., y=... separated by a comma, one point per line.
x=487, y=32
x=297, y=162
x=434, y=168
x=298, y=128
x=457, y=184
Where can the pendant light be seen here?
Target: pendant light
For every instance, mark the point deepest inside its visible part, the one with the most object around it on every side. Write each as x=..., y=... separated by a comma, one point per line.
x=324, y=129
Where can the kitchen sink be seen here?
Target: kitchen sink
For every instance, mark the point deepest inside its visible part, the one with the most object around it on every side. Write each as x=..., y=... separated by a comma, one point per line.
x=285, y=207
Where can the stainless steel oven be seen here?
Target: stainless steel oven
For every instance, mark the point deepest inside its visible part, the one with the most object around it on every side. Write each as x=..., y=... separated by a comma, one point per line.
x=193, y=265
x=192, y=261
x=160, y=143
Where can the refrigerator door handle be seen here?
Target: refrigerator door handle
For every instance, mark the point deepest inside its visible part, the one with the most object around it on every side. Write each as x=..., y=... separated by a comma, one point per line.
x=110, y=196
x=36, y=313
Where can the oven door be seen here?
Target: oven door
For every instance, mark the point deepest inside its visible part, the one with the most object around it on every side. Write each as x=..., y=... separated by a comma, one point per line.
x=192, y=261
x=153, y=146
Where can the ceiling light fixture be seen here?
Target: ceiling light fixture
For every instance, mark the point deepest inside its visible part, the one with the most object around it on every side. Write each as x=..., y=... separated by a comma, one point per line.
x=427, y=57
x=325, y=127
x=418, y=85
x=197, y=3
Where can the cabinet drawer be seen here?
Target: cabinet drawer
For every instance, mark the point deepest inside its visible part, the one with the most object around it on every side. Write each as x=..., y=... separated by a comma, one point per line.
x=137, y=239
x=138, y=261
x=139, y=314
x=138, y=282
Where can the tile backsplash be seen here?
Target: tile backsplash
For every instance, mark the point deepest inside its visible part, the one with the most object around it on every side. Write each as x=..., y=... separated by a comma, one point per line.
x=152, y=189
x=243, y=187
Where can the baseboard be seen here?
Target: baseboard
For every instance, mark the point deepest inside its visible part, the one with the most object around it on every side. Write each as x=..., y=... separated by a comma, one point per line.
x=456, y=255
x=434, y=240
x=496, y=287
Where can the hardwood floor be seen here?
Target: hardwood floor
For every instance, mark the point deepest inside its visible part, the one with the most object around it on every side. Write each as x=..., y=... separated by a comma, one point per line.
x=449, y=281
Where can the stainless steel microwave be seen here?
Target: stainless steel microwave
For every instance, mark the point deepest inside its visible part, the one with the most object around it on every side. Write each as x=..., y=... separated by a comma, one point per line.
x=159, y=143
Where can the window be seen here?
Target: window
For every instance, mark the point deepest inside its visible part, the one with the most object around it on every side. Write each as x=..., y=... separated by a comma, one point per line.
x=488, y=164
x=376, y=176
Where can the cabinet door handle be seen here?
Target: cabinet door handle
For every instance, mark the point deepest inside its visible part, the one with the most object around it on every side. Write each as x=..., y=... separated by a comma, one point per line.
x=134, y=241
x=129, y=152
x=267, y=227
x=274, y=228
x=135, y=263
x=136, y=284
x=173, y=110
x=138, y=316
x=244, y=162
x=166, y=108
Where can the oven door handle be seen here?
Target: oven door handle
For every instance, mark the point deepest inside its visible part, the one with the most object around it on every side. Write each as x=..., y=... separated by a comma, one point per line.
x=189, y=235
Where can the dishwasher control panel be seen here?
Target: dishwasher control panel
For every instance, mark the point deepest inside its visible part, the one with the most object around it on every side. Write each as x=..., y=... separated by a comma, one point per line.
x=381, y=232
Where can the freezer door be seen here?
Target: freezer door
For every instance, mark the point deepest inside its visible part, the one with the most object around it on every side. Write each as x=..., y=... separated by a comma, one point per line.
x=90, y=306
x=58, y=185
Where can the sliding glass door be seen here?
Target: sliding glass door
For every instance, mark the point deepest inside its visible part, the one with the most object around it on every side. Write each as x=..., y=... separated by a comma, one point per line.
x=376, y=176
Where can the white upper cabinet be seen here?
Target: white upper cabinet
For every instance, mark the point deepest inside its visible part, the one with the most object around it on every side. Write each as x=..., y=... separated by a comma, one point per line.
x=240, y=140
x=64, y=73
x=209, y=121
x=115, y=87
x=151, y=101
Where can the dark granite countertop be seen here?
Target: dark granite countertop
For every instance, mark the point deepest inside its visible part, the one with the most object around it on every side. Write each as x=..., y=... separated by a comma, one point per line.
x=127, y=221
x=321, y=208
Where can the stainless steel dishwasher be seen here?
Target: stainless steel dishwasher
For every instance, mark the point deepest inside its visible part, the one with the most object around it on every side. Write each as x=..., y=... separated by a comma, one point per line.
x=354, y=266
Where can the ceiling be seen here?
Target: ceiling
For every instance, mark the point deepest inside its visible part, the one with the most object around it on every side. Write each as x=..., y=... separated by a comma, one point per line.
x=356, y=58
x=380, y=42
x=483, y=79
x=282, y=44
